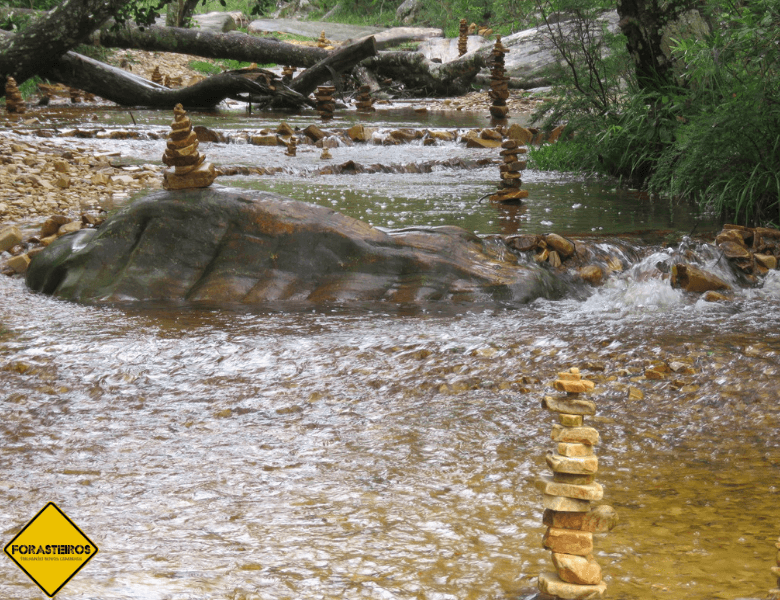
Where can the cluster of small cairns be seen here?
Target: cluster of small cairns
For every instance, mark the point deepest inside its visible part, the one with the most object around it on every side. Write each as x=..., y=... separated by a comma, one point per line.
x=13, y=98
x=509, y=188
x=22, y=250
x=774, y=594
x=499, y=82
x=191, y=170
x=325, y=103
x=751, y=252
x=173, y=82
x=463, y=38
x=567, y=495
x=363, y=100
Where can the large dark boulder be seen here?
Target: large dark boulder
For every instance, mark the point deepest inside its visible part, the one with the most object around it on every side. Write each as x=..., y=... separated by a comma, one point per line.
x=224, y=246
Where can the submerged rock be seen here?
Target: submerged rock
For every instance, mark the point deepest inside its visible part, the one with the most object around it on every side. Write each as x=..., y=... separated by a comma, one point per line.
x=222, y=246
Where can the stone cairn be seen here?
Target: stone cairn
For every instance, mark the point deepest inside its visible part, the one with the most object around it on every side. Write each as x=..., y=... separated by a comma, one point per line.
x=364, y=101
x=13, y=98
x=292, y=147
x=75, y=96
x=775, y=593
x=463, y=38
x=509, y=188
x=191, y=170
x=325, y=103
x=326, y=155
x=287, y=73
x=322, y=41
x=499, y=82
x=567, y=495
x=157, y=76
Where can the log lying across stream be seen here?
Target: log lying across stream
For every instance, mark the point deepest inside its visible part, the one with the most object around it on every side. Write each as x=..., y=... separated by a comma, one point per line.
x=256, y=85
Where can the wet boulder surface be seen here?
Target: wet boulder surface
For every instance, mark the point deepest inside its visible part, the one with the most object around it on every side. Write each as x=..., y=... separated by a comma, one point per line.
x=222, y=246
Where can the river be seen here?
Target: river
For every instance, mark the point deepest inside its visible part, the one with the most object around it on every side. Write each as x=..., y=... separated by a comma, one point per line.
x=385, y=452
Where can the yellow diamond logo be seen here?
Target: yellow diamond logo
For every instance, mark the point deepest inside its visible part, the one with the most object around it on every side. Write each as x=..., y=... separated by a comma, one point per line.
x=51, y=549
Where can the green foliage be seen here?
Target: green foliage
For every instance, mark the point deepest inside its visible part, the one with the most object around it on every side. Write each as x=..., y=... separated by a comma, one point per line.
x=712, y=135
x=29, y=88
x=217, y=66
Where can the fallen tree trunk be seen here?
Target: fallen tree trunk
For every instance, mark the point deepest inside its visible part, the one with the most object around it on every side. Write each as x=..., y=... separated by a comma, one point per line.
x=338, y=61
x=52, y=35
x=128, y=89
x=236, y=46
x=424, y=78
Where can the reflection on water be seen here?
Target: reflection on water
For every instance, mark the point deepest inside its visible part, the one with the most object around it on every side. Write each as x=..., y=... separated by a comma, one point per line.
x=367, y=454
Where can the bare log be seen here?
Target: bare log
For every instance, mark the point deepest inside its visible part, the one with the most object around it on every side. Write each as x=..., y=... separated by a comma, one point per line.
x=425, y=78
x=52, y=35
x=236, y=46
x=128, y=89
x=339, y=60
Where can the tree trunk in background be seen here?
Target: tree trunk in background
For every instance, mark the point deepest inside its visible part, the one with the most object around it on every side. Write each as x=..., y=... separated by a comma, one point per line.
x=236, y=46
x=338, y=61
x=179, y=13
x=650, y=26
x=52, y=35
x=128, y=89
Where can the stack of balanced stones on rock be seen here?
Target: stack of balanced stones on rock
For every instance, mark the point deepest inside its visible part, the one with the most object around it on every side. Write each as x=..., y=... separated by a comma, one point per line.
x=499, y=82
x=13, y=98
x=775, y=593
x=191, y=169
x=325, y=103
x=364, y=101
x=567, y=495
x=463, y=38
x=509, y=188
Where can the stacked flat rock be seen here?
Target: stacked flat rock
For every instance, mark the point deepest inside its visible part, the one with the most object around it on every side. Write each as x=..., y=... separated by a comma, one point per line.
x=157, y=76
x=325, y=103
x=775, y=593
x=292, y=147
x=509, y=189
x=75, y=96
x=191, y=170
x=463, y=38
x=499, y=82
x=287, y=73
x=364, y=101
x=88, y=97
x=568, y=493
x=13, y=98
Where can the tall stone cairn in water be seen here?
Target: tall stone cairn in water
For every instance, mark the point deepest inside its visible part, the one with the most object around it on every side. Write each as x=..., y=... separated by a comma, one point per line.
x=775, y=593
x=567, y=495
x=509, y=188
x=325, y=103
x=191, y=170
x=13, y=98
x=463, y=38
x=499, y=82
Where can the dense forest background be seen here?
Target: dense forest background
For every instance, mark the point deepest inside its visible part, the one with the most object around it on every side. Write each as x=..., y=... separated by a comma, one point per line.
x=696, y=116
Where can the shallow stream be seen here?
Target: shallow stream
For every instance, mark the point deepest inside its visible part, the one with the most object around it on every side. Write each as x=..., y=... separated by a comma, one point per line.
x=377, y=452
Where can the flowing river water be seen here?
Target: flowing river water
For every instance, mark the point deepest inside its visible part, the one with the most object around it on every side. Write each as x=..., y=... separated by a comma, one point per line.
x=388, y=452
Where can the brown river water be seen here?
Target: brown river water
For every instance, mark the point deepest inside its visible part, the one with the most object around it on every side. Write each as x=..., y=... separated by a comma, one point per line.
x=381, y=452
